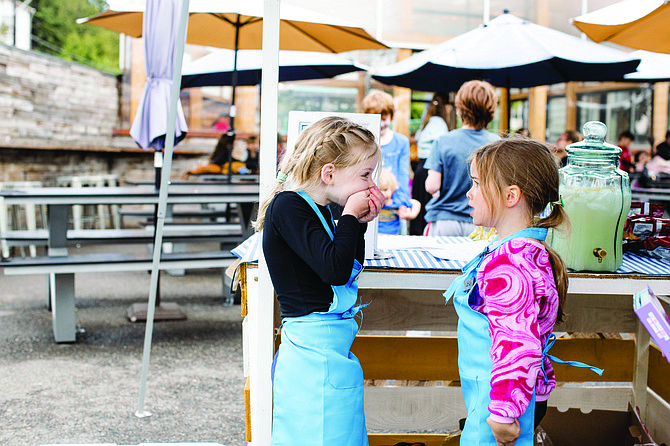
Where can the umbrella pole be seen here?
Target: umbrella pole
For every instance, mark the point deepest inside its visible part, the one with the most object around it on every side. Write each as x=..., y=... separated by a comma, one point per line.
x=233, y=109
x=162, y=205
x=509, y=106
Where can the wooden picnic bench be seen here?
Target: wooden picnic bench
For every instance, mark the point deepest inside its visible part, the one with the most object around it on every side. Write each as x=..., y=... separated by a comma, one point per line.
x=61, y=271
x=60, y=266
x=220, y=233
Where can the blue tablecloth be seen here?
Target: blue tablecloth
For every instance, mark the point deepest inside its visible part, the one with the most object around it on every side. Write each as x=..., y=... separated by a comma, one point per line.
x=248, y=251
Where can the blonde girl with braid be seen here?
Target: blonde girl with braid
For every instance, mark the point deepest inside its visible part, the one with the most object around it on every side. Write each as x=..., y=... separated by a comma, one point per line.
x=314, y=265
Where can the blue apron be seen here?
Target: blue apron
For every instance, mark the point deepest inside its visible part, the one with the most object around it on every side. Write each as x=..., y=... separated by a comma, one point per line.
x=474, y=354
x=317, y=381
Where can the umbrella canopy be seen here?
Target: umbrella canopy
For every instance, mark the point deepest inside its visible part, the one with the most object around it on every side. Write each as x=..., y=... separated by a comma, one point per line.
x=218, y=22
x=654, y=67
x=640, y=24
x=150, y=124
x=217, y=68
x=508, y=52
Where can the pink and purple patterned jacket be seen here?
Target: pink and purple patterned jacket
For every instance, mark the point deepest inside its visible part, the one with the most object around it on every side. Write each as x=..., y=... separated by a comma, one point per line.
x=518, y=294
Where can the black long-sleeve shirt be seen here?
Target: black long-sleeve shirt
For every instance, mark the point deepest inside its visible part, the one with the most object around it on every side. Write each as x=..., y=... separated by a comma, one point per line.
x=302, y=259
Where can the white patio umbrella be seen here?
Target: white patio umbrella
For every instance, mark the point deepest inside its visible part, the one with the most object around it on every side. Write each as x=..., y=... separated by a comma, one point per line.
x=217, y=67
x=508, y=52
x=639, y=24
x=654, y=67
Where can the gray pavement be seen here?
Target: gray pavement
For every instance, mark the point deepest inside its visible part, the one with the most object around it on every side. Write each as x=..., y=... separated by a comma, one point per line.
x=88, y=391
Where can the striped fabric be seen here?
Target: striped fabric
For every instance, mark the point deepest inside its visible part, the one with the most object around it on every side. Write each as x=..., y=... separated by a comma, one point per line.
x=249, y=251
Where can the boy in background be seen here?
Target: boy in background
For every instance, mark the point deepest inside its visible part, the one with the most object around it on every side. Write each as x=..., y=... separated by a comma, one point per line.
x=389, y=217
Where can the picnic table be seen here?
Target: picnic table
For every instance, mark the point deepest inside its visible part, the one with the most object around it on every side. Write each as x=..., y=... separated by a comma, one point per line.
x=61, y=267
x=404, y=292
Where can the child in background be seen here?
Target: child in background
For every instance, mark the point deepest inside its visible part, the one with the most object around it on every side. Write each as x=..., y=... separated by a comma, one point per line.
x=394, y=146
x=389, y=219
x=314, y=265
x=511, y=295
x=625, y=160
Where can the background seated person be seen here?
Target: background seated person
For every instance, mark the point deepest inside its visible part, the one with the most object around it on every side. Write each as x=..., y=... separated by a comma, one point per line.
x=566, y=138
x=252, y=162
x=218, y=160
x=390, y=216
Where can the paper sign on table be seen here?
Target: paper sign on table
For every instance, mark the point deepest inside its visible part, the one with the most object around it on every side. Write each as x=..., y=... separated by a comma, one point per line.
x=654, y=318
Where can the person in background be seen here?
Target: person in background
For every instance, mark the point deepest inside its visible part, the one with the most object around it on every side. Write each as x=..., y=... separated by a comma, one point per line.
x=389, y=222
x=511, y=295
x=448, y=212
x=433, y=126
x=523, y=132
x=222, y=124
x=252, y=162
x=641, y=159
x=314, y=265
x=625, y=159
x=394, y=146
x=663, y=149
x=218, y=160
x=566, y=138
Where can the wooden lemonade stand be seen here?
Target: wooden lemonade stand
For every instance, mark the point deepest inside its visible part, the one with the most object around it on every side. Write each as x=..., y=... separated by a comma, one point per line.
x=405, y=298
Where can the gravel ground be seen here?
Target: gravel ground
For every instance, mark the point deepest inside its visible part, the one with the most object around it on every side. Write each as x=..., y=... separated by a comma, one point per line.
x=88, y=391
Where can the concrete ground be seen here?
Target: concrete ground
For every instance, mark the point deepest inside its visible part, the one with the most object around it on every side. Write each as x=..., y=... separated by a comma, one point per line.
x=88, y=391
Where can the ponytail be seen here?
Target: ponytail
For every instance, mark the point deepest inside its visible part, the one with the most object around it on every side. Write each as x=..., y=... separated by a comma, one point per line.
x=555, y=220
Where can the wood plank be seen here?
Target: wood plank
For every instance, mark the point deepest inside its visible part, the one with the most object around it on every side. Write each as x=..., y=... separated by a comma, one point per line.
x=411, y=309
x=413, y=409
x=407, y=310
x=399, y=357
x=247, y=410
x=658, y=414
x=244, y=309
x=439, y=409
x=427, y=439
x=659, y=374
x=436, y=358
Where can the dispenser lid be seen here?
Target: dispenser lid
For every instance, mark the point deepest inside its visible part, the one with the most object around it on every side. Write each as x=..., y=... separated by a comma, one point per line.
x=594, y=141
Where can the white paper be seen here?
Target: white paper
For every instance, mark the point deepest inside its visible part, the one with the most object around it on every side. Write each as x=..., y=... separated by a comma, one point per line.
x=465, y=251
x=459, y=251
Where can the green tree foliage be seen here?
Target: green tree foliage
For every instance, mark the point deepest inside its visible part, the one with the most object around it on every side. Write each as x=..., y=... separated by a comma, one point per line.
x=55, y=31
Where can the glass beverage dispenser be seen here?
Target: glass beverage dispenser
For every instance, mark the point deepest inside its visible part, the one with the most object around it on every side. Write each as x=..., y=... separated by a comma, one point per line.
x=596, y=196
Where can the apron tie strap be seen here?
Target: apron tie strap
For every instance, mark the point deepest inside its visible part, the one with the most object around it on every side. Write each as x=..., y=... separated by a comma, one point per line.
x=550, y=342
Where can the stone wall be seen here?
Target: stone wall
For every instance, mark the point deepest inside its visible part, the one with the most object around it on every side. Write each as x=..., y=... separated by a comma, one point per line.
x=49, y=102
x=57, y=117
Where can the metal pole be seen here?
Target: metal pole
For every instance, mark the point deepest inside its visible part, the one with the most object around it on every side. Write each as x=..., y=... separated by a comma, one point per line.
x=162, y=203
x=486, y=12
x=233, y=108
x=585, y=9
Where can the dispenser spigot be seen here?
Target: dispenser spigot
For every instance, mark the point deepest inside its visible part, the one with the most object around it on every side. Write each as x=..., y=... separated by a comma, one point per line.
x=600, y=253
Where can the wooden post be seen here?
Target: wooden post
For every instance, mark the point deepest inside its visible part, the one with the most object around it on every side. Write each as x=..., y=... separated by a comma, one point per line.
x=362, y=90
x=138, y=76
x=537, y=119
x=247, y=102
x=660, y=118
x=195, y=105
x=641, y=369
x=570, y=105
x=402, y=98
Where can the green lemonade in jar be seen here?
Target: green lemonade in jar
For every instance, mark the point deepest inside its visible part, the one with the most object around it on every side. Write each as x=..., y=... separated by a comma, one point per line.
x=596, y=196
